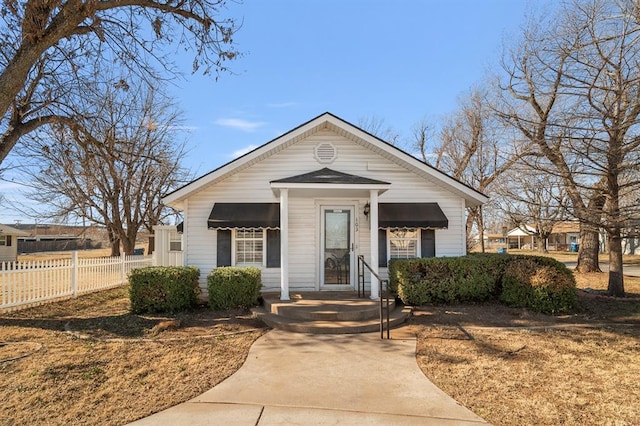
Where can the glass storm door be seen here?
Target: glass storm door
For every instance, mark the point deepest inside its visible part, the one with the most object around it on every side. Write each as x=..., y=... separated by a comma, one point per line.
x=337, y=246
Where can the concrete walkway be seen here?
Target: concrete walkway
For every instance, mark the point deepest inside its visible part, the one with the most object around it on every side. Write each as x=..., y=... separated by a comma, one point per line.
x=304, y=379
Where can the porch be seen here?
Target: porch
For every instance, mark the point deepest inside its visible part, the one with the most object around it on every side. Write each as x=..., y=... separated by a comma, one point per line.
x=327, y=312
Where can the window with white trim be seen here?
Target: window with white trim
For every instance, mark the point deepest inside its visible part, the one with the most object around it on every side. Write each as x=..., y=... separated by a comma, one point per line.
x=5, y=240
x=403, y=243
x=175, y=242
x=249, y=247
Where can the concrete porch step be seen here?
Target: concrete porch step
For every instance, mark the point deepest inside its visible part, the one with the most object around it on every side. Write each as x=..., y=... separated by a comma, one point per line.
x=310, y=309
x=333, y=312
x=397, y=316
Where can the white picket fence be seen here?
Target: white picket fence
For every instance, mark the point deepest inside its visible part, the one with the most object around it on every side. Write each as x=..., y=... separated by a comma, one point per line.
x=25, y=284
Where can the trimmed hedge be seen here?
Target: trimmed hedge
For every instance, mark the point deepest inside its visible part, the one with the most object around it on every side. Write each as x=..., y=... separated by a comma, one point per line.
x=234, y=287
x=539, y=283
x=163, y=289
x=443, y=280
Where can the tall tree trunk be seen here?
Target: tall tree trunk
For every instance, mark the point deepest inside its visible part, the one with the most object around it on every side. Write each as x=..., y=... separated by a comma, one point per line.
x=589, y=249
x=616, y=278
x=114, y=241
x=542, y=244
x=480, y=223
x=128, y=244
x=469, y=229
x=115, y=247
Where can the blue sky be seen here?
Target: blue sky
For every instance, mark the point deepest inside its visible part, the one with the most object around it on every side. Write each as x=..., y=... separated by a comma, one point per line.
x=400, y=60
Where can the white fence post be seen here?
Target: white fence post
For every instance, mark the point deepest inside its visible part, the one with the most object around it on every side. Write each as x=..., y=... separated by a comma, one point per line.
x=122, y=267
x=74, y=273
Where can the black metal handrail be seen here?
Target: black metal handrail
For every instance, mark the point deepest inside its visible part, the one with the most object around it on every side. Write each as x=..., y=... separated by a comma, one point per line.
x=361, y=265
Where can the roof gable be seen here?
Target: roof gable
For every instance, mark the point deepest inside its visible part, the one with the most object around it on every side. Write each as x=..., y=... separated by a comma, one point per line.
x=328, y=121
x=9, y=230
x=329, y=176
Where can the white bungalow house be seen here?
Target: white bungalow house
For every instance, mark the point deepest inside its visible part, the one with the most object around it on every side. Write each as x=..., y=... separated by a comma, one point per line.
x=522, y=238
x=303, y=206
x=9, y=243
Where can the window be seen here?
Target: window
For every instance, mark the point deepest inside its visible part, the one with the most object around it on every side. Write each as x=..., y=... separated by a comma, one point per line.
x=249, y=247
x=5, y=240
x=175, y=242
x=403, y=243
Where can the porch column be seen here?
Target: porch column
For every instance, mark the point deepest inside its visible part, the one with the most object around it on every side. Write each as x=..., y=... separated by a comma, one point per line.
x=284, y=244
x=373, y=215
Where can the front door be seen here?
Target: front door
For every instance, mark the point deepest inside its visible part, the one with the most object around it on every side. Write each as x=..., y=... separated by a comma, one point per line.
x=336, y=263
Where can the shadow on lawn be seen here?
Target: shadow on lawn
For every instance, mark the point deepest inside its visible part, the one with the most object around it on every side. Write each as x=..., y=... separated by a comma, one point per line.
x=124, y=325
x=127, y=325
x=589, y=312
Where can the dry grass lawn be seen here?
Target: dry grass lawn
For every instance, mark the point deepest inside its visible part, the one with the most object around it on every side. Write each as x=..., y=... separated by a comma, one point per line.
x=510, y=366
x=114, y=369
x=543, y=374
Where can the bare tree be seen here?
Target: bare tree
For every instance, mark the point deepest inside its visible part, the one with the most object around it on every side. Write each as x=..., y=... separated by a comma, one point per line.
x=47, y=46
x=473, y=149
x=423, y=135
x=115, y=172
x=574, y=84
x=377, y=126
x=529, y=199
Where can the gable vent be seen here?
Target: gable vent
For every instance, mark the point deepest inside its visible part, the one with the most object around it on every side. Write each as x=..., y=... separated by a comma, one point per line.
x=325, y=153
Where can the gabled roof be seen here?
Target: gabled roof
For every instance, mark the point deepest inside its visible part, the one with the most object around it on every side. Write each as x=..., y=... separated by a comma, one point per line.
x=9, y=230
x=523, y=231
x=331, y=122
x=329, y=176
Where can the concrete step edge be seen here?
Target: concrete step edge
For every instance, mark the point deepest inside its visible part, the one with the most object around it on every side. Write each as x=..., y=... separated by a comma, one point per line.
x=398, y=316
x=327, y=311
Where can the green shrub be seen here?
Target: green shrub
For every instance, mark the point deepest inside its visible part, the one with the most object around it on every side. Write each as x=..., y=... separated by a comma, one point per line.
x=538, y=283
x=163, y=289
x=232, y=287
x=443, y=280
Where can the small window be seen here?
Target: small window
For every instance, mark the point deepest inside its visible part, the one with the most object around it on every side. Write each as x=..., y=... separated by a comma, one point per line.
x=249, y=247
x=403, y=243
x=3, y=240
x=175, y=242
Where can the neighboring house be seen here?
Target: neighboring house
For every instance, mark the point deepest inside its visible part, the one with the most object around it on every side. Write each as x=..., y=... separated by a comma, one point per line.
x=9, y=243
x=522, y=238
x=492, y=241
x=303, y=206
x=562, y=237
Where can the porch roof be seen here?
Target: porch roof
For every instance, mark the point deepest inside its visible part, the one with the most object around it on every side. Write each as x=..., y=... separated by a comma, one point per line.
x=325, y=182
x=411, y=215
x=329, y=176
x=244, y=215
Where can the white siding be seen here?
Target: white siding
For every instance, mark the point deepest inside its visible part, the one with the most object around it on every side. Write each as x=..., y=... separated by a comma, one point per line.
x=253, y=185
x=10, y=253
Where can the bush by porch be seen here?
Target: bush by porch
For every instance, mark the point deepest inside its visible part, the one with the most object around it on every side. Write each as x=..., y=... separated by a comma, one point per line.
x=534, y=282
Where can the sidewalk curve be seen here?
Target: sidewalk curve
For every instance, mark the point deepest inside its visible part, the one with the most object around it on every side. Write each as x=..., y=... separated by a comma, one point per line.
x=292, y=378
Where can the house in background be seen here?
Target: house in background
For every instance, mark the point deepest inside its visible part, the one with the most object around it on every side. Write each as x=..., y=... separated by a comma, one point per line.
x=565, y=236
x=9, y=243
x=303, y=206
x=522, y=238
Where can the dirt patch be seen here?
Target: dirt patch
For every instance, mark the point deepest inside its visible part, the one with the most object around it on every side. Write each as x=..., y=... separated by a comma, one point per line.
x=99, y=364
